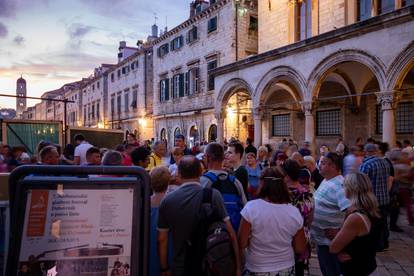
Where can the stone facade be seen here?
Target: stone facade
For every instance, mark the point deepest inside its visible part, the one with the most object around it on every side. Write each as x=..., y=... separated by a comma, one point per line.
x=345, y=75
x=183, y=94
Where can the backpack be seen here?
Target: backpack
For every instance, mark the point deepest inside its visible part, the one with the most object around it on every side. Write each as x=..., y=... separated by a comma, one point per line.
x=209, y=251
x=225, y=184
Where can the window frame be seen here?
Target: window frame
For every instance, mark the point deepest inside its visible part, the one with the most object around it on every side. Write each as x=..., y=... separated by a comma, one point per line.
x=212, y=27
x=322, y=111
x=287, y=132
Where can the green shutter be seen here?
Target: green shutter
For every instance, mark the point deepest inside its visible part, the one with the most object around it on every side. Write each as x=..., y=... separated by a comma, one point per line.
x=181, y=86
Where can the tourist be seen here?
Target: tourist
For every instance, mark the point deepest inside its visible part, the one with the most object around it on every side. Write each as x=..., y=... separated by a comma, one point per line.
x=352, y=161
x=305, y=150
x=304, y=174
x=379, y=172
x=67, y=158
x=263, y=157
x=159, y=151
x=180, y=142
x=140, y=157
x=13, y=162
x=324, y=149
x=160, y=177
x=132, y=139
x=177, y=154
x=355, y=243
x=280, y=159
x=112, y=158
x=196, y=148
x=407, y=146
x=178, y=215
x=254, y=169
x=126, y=154
x=302, y=198
x=80, y=150
x=49, y=156
x=229, y=186
x=316, y=177
x=235, y=154
x=93, y=157
x=329, y=213
x=250, y=147
x=267, y=253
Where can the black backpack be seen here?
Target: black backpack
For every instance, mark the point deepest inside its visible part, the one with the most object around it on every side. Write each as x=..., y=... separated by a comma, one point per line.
x=209, y=251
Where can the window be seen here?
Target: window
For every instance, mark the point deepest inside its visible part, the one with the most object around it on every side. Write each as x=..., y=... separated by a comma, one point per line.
x=211, y=66
x=93, y=87
x=305, y=19
x=177, y=43
x=163, y=50
x=119, y=73
x=378, y=119
x=134, y=99
x=404, y=118
x=328, y=122
x=118, y=104
x=126, y=98
x=133, y=65
x=84, y=114
x=192, y=35
x=385, y=6
x=407, y=3
x=192, y=82
x=112, y=77
x=112, y=105
x=364, y=8
x=93, y=111
x=212, y=25
x=281, y=125
x=97, y=110
x=164, y=90
x=253, y=26
x=178, y=86
x=97, y=85
x=89, y=112
x=124, y=70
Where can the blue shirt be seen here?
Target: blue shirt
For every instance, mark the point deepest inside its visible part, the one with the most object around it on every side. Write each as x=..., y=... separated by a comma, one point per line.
x=378, y=171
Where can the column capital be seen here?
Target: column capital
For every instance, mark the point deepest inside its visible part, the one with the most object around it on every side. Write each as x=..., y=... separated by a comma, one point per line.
x=257, y=113
x=307, y=108
x=220, y=115
x=387, y=100
x=293, y=2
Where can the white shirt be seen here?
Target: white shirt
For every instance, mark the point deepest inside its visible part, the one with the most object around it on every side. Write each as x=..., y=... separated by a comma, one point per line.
x=80, y=151
x=273, y=227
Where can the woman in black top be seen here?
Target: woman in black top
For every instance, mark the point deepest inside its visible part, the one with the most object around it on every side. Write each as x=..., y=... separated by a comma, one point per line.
x=355, y=243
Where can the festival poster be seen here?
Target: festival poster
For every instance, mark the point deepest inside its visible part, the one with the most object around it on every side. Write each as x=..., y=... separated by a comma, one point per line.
x=77, y=232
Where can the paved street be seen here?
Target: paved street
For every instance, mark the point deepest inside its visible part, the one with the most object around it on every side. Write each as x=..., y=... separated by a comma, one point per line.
x=398, y=260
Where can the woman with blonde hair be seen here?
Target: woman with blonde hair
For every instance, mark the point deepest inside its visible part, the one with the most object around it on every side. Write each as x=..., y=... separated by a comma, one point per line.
x=355, y=243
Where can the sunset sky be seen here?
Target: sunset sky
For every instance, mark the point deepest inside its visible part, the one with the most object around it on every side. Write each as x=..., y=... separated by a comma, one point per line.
x=53, y=42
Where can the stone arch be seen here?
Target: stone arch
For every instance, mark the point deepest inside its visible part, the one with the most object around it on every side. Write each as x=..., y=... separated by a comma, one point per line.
x=228, y=89
x=400, y=67
x=280, y=73
x=328, y=64
x=163, y=134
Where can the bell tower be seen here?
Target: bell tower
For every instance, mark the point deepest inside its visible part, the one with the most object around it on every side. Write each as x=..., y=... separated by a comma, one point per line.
x=20, y=92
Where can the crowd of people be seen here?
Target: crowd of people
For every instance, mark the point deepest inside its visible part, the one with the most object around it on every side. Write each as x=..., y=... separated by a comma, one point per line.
x=275, y=204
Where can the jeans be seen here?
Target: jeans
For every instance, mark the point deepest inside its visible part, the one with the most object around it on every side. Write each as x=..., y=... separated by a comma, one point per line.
x=384, y=230
x=328, y=262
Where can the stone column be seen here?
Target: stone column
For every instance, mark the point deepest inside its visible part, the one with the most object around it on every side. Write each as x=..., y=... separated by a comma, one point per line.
x=309, y=124
x=292, y=23
x=220, y=127
x=388, y=102
x=257, y=117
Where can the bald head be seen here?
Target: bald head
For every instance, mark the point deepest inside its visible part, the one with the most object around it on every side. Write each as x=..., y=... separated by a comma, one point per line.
x=189, y=167
x=298, y=158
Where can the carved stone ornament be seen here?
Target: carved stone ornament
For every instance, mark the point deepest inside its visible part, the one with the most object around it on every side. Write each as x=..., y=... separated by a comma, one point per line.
x=387, y=100
x=307, y=108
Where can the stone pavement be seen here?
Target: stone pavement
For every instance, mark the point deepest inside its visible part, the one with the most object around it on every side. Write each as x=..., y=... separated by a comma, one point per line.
x=397, y=260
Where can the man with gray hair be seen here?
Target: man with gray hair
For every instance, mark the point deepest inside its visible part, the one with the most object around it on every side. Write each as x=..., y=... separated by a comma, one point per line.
x=379, y=172
x=112, y=158
x=158, y=152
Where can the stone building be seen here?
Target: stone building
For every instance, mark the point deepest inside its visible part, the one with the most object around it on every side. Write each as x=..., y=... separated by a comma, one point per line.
x=130, y=94
x=326, y=69
x=216, y=34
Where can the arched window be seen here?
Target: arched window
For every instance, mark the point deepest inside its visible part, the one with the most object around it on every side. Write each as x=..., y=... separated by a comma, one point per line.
x=163, y=135
x=304, y=19
x=212, y=133
x=194, y=135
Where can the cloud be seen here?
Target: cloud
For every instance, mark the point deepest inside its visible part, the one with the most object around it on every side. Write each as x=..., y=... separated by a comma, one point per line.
x=3, y=30
x=19, y=40
x=77, y=31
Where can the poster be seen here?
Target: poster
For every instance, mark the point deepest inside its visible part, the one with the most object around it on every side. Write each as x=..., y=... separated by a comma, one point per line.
x=77, y=232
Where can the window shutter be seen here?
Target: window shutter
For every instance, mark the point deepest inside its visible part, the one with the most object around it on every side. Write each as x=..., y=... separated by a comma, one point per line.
x=186, y=83
x=167, y=90
x=195, y=33
x=181, y=41
x=197, y=82
x=181, y=86
x=161, y=90
x=172, y=45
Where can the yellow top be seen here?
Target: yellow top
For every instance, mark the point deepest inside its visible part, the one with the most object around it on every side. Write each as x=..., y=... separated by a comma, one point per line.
x=155, y=161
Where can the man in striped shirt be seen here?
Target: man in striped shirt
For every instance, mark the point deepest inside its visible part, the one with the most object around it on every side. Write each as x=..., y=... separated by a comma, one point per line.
x=329, y=213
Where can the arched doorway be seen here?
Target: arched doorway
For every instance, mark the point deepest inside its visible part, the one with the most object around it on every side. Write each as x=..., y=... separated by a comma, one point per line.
x=212, y=133
x=194, y=135
x=346, y=103
x=163, y=135
x=238, y=123
x=177, y=131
